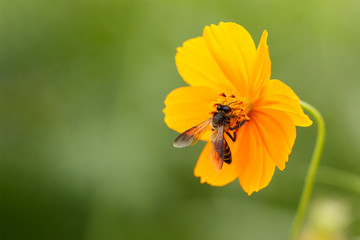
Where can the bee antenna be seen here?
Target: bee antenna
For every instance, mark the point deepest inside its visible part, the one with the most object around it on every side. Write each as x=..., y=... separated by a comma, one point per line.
x=232, y=103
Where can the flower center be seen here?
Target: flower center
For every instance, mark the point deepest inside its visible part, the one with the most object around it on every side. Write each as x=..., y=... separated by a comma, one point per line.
x=240, y=106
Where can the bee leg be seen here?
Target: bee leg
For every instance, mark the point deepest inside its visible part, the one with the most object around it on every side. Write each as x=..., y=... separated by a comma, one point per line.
x=237, y=126
x=233, y=138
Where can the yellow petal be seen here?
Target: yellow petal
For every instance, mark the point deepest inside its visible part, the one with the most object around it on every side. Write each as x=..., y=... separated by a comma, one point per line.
x=189, y=106
x=277, y=95
x=276, y=133
x=261, y=71
x=254, y=165
x=207, y=173
x=234, y=51
x=198, y=67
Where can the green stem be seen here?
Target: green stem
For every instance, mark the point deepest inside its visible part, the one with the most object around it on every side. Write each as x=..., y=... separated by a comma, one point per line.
x=314, y=164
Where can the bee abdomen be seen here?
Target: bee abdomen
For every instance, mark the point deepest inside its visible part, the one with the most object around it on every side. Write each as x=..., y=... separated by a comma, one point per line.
x=227, y=153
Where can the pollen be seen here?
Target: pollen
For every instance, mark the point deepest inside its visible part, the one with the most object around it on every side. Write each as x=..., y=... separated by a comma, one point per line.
x=241, y=106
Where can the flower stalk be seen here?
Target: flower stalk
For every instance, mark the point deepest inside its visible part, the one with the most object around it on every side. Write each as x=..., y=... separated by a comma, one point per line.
x=314, y=164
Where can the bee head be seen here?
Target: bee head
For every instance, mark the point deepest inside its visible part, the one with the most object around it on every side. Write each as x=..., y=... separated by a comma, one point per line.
x=223, y=108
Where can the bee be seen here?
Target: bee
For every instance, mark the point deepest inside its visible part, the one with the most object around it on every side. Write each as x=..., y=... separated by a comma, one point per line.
x=220, y=124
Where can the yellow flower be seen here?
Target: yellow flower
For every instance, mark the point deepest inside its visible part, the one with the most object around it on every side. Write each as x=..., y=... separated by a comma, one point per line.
x=224, y=67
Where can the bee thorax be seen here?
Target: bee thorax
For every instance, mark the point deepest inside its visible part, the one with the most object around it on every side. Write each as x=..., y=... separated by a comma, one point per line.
x=218, y=119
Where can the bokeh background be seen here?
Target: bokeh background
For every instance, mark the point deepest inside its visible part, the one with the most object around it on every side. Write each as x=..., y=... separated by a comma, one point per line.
x=85, y=153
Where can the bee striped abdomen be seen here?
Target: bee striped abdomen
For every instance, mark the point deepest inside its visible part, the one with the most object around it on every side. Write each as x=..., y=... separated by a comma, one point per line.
x=227, y=153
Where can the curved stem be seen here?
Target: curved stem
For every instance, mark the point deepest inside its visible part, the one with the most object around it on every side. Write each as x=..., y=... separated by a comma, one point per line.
x=314, y=164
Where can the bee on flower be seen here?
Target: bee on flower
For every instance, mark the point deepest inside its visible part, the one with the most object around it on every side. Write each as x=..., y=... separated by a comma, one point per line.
x=247, y=118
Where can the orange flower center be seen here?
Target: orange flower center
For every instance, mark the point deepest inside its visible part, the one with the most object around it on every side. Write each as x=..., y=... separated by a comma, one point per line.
x=240, y=106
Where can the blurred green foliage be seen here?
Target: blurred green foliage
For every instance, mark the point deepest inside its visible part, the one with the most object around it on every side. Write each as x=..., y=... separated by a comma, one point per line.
x=85, y=153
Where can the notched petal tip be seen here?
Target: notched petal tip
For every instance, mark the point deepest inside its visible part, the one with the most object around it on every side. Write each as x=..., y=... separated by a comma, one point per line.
x=305, y=119
x=249, y=193
x=281, y=168
x=306, y=122
x=263, y=40
x=207, y=28
x=265, y=35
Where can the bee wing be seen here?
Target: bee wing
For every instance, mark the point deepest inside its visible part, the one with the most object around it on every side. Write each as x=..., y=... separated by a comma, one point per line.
x=217, y=151
x=192, y=135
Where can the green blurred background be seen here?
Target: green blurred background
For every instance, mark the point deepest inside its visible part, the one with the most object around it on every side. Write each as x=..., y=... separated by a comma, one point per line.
x=85, y=153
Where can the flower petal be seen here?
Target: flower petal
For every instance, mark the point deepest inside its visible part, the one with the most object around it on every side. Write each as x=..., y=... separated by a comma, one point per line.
x=277, y=95
x=207, y=173
x=198, y=67
x=188, y=106
x=234, y=51
x=276, y=133
x=261, y=71
x=254, y=165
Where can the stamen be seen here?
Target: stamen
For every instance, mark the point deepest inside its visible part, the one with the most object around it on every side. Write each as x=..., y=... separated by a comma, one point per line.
x=240, y=107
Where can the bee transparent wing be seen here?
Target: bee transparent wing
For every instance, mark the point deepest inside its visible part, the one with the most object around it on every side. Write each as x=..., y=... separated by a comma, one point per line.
x=192, y=135
x=217, y=152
